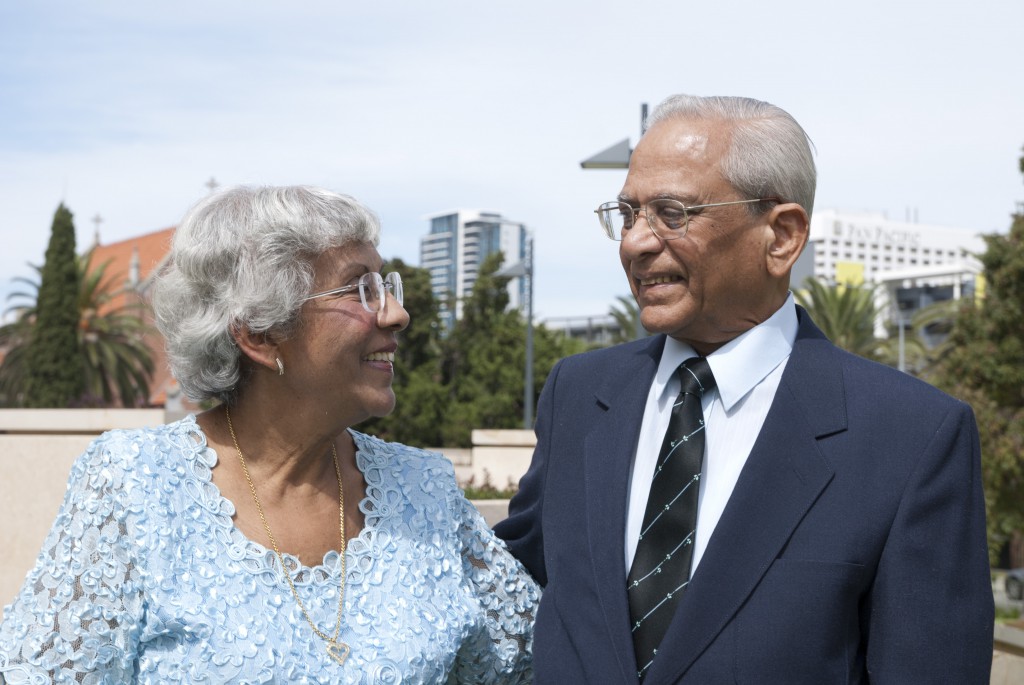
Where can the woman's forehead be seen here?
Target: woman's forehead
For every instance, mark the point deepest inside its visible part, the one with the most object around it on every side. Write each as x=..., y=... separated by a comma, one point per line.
x=354, y=257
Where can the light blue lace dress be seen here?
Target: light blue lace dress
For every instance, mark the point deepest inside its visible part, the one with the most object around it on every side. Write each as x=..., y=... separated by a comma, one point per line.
x=144, y=578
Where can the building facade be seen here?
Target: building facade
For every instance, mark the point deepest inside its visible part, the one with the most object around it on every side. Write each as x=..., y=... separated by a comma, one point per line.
x=916, y=264
x=601, y=330
x=860, y=246
x=458, y=243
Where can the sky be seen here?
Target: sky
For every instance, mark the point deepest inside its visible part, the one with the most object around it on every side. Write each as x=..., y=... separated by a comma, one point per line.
x=125, y=110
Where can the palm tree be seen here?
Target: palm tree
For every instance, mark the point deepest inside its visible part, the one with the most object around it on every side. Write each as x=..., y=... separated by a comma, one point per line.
x=846, y=314
x=118, y=363
x=627, y=317
x=926, y=338
x=14, y=341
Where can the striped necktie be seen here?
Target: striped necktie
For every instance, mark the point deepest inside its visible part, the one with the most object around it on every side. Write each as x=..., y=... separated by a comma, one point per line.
x=661, y=565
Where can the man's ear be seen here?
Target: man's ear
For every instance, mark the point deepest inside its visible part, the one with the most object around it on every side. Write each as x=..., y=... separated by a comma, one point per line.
x=790, y=228
x=258, y=347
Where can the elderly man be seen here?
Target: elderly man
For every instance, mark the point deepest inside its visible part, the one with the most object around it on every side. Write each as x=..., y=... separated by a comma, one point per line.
x=736, y=500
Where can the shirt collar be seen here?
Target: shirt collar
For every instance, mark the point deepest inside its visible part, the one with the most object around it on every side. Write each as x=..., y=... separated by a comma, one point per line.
x=743, y=362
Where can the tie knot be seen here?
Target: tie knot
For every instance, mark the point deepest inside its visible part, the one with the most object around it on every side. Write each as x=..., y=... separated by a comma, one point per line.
x=696, y=377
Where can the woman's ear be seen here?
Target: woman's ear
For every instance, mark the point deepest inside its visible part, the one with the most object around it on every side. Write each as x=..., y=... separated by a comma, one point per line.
x=790, y=227
x=258, y=347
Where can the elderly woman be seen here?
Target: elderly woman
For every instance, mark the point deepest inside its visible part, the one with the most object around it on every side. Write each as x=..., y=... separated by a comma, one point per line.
x=264, y=540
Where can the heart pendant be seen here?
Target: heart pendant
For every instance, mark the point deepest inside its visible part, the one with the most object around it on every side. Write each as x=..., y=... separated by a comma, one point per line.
x=338, y=651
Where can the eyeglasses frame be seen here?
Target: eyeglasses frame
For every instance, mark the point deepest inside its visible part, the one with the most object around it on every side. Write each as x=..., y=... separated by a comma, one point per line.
x=389, y=283
x=672, y=235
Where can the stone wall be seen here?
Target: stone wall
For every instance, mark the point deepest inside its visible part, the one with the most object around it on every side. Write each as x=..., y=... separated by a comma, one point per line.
x=501, y=456
x=37, y=448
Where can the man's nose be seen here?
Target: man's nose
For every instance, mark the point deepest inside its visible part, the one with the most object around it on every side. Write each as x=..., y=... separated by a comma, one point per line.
x=641, y=238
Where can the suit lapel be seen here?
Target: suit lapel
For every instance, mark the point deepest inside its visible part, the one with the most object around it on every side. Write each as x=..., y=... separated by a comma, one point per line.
x=781, y=480
x=608, y=452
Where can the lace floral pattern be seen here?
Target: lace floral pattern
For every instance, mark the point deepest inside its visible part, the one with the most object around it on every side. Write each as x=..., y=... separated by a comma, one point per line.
x=144, y=578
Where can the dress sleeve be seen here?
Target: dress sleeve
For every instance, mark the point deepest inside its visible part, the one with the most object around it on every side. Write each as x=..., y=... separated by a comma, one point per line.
x=77, y=617
x=502, y=651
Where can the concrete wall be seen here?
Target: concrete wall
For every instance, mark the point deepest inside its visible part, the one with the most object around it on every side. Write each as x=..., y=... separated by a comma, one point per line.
x=37, y=448
x=501, y=456
x=1008, y=657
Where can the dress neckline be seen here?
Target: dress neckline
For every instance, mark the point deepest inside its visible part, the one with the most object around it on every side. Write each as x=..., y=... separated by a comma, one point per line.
x=204, y=458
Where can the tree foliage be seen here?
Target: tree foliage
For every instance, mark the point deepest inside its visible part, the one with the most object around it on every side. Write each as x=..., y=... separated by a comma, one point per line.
x=116, y=362
x=420, y=405
x=484, y=360
x=473, y=378
x=984, y=365
x=627, y=317
x=54, y=375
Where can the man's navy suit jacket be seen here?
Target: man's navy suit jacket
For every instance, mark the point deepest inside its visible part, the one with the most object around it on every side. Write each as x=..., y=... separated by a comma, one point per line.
x=852, y=549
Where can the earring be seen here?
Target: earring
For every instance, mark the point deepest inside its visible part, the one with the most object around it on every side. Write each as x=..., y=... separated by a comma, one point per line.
x=280, y=367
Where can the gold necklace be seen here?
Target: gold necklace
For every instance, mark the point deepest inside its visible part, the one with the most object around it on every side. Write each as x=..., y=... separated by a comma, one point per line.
x=336, y=649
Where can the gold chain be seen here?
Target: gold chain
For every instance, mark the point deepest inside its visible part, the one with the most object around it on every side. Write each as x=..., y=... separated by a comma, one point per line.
x=337, y=650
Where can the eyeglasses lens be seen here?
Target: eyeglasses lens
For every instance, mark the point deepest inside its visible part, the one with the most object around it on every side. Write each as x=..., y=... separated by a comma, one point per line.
x=670, y=218
x=373, y=289
x=615, y=217
x=667, y=218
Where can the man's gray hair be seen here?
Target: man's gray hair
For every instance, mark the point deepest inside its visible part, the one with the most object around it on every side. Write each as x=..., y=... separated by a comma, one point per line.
x=769, y=155
x=243, y=258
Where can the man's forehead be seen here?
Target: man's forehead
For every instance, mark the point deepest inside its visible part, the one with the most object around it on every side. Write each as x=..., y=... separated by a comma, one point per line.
x=686, y=136
x=688, y=142
x=673, y=151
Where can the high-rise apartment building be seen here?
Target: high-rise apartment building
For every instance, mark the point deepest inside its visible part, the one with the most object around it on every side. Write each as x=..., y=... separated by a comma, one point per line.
x=457, y=245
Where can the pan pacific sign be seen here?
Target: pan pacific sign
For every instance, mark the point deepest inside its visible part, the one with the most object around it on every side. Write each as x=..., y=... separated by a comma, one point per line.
x=876, y=234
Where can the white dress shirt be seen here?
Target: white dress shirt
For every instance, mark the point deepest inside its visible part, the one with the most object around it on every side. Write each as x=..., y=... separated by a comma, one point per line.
x=747, y=371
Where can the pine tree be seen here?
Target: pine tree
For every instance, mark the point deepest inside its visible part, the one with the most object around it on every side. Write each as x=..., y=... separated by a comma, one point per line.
x=55, y=375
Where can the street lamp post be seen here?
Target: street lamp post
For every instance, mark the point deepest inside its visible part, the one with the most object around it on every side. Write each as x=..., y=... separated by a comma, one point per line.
x=617, y=157
x=524, y=270
x=528, y=373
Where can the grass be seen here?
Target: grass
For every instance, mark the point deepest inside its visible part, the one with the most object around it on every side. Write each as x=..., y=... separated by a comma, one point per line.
x=487, y=489
x=1003, y=614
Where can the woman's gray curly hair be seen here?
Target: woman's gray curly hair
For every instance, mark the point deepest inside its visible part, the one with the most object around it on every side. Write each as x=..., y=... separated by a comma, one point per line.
x=244, y=257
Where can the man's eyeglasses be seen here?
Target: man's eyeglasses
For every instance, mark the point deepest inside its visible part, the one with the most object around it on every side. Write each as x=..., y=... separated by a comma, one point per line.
x=373, y=290
x=668, y=219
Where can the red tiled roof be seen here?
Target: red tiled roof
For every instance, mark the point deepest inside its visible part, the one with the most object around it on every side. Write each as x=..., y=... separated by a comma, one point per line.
x=148, y=252
x=149, y=249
